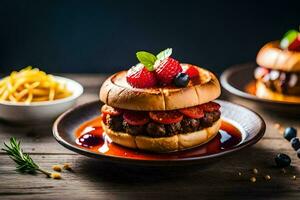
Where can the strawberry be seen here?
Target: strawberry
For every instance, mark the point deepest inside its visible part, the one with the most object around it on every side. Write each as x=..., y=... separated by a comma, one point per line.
x=295, y=45
x=192, y=71
x=138, y=76
x=166, y=70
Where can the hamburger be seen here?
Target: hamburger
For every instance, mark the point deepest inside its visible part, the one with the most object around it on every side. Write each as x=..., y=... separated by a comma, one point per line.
x=278, y=74
x=161, y=105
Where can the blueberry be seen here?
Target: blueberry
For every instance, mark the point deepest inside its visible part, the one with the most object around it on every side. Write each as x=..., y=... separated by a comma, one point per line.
x=282, y=160
x=295, y=142
x=290, y=133
x=181, y=80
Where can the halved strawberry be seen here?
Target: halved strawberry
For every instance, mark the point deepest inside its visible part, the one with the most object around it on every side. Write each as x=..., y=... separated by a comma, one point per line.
x=138, y=76
x=194, y=112
x=106, y=109
x=210, y=106
x=295, y=45
x=136, y=118
x=166, y=70
x=166, y=117
x=192, y=71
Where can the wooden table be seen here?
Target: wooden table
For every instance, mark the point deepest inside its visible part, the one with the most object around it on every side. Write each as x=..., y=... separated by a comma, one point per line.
x=93, y=179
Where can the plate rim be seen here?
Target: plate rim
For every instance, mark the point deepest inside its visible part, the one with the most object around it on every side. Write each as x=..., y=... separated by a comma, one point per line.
x=119, y=159
x=233, y=90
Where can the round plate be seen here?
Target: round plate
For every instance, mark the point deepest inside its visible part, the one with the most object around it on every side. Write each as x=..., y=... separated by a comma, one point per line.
x=236, y=78
x=250, y=124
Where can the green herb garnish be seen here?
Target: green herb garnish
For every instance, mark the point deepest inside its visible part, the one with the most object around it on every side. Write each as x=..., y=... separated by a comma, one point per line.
x=288, y=38
x=148, y=59
x=24, y=162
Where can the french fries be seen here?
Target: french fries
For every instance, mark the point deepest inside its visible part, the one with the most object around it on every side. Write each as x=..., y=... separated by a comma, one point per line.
x=31, y=85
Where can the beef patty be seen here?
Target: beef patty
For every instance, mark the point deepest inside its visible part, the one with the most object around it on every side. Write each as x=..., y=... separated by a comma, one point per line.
x=153, y=129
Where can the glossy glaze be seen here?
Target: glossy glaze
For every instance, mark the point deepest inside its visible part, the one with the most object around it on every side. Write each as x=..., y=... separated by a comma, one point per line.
x=228, y=137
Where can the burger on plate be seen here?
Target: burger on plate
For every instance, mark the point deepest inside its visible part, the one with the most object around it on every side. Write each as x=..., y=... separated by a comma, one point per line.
x=278, y=74
x=161, y=105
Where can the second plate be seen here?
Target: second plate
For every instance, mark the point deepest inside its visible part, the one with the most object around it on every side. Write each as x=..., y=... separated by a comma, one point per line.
x=235, y=80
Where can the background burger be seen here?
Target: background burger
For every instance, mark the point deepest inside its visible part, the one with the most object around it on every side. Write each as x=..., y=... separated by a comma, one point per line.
x=161, y=105
x=278, y=74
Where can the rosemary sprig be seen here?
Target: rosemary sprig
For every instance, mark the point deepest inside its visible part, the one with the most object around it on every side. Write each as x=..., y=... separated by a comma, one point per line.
x=24, y=162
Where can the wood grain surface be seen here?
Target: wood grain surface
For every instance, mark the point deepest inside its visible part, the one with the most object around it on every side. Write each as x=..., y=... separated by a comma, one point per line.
x=92, y=179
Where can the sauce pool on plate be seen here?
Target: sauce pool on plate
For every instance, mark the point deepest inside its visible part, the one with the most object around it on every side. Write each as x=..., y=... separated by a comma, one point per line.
x=250, y=88
x=90, y=135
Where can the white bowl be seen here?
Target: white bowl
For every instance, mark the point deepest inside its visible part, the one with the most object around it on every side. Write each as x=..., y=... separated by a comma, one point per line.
x=41, y=111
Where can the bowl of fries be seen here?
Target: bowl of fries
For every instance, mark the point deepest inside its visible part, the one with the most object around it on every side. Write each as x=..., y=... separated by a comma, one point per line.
x=30, y=95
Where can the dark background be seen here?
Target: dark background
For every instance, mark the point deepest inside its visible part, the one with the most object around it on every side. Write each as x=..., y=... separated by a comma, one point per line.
x=103, y=36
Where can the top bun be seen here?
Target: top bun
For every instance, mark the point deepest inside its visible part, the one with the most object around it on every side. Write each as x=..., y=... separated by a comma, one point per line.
x=116, y=92
x=272, y=57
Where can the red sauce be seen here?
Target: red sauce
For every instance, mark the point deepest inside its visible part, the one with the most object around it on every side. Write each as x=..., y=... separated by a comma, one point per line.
x=90, y=135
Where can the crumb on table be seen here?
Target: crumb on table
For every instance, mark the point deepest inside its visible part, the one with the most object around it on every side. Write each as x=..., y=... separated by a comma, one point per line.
x=56, y=168
x=56, y=175
x=67, y=166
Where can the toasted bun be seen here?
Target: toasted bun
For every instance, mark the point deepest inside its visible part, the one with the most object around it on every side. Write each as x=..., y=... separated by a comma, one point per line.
x=263, y=92
x=116, y=92
x=164, y=144
x=272, y=57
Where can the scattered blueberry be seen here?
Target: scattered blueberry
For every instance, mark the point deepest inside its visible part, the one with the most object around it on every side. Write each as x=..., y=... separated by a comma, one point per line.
x=298, y=153
x=181, y=80
x=295, y=142
x=290, y=133
x=282, y=160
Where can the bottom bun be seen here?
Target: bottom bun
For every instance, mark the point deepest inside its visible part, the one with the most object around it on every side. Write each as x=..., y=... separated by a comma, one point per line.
x=164, y=144
x=263, y=92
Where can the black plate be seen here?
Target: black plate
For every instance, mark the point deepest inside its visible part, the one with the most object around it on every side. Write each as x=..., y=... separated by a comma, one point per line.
x=249, y=123
x=235, y=79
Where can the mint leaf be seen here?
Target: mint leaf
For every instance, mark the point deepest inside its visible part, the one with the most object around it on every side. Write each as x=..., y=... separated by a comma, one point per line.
x=147, y=59
x=164, y=54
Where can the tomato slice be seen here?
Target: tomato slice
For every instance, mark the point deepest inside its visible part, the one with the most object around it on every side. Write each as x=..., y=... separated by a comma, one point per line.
x=103, y=117
x=166, y=117
x=136, y=118
x=210, y=106
x=194, y=112
x=111, y=111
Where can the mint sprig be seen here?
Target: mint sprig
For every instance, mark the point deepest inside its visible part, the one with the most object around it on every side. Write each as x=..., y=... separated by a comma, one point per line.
x=148, y=59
